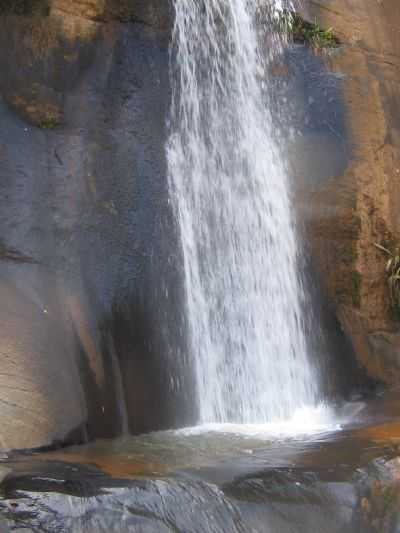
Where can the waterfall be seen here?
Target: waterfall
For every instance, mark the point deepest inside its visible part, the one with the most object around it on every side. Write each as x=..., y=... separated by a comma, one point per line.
x=229, y=186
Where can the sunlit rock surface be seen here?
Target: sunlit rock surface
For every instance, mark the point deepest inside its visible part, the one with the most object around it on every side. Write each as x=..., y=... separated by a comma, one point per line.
x=360, y=206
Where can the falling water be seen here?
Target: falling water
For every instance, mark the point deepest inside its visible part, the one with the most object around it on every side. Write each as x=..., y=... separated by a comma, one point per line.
x=230, y=190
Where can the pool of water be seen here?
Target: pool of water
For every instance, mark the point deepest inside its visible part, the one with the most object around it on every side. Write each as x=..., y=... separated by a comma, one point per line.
x=326, y=470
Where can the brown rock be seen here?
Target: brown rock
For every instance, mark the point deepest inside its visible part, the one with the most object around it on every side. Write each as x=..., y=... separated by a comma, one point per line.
x=362, y=207
x=40, y=106
x=157, y=17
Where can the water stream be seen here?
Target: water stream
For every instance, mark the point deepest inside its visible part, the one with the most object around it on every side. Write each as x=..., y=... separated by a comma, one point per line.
x=230, y=190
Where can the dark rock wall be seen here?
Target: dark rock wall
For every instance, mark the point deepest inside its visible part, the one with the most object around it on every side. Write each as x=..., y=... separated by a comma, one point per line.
x=88, y=245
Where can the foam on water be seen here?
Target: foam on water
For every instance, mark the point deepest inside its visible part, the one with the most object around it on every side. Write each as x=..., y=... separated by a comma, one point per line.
x=305, y=421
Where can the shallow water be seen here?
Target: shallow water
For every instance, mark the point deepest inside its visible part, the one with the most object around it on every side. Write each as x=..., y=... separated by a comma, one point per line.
x=218, y=478
x=209, y=445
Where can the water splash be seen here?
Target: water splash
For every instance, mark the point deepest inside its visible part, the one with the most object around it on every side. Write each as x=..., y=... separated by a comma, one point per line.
x=304, y=422
x=230, y=191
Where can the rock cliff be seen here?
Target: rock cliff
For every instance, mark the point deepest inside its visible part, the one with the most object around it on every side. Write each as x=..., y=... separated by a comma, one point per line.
x=88, y=253
x=360, y=208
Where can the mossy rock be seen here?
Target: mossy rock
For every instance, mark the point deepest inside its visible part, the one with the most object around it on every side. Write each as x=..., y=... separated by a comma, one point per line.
x=41, y=108
x=50, y=121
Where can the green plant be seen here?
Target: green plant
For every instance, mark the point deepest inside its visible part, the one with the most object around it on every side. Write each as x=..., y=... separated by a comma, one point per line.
x=283, y=22
x=306, y=32
x=393, y=275
x=355, y=283
x=49, y=123
x=316, y=36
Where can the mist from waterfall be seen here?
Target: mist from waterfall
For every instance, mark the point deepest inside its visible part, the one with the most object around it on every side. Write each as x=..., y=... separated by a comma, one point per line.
x=230, y=189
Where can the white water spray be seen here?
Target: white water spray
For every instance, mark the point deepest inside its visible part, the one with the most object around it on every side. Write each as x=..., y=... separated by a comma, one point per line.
x=230, y=191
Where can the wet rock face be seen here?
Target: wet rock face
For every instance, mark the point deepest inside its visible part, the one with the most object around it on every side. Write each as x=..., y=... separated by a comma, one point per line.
x=86, y=266
x=165, y=505
x=313, y=126
x=54, y=42
x=155, y=13
x=360, y=207
x=25, y=7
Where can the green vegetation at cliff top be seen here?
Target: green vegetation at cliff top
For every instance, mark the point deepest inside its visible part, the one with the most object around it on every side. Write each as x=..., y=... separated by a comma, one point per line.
x=305, y=32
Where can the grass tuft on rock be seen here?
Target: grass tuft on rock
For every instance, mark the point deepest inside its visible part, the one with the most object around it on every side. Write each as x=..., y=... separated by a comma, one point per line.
x=355, y=283
x=306, y=32
x=392, y=276
x=49, y=123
